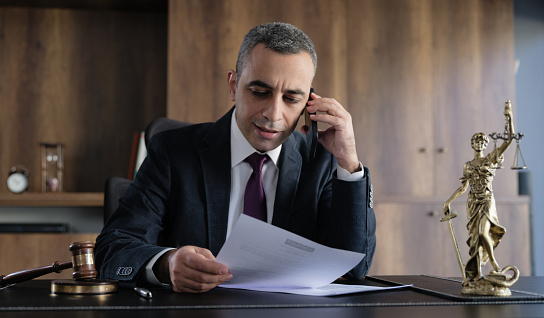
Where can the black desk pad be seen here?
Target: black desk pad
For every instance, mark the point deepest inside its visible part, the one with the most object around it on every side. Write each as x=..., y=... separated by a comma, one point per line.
x=36, y=296
x=450, y=288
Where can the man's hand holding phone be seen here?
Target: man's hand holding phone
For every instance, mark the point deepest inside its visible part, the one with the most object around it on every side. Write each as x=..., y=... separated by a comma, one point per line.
x=339, y=138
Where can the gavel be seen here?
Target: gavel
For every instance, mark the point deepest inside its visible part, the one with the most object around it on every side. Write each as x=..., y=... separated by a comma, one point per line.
x=84, y=273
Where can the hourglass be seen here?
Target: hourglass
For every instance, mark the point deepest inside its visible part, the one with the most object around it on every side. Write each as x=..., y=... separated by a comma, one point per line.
x=52, y=167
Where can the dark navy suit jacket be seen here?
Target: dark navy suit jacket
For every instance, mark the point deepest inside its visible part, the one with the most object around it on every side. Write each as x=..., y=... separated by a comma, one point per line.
x=181, y=195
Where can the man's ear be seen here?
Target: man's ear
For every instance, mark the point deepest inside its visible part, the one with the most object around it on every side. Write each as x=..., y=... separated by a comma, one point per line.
x=231, y=77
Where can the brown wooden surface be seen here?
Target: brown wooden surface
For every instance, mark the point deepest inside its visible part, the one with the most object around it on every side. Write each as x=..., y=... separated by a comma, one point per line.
x=204, y=38
x=58, y=199
x=23, y=251
x=412, y=240
x=120, y=5
x=417, y=76
x=87, y=79
x=390, y=82
x=424, y=76
x=473, y=72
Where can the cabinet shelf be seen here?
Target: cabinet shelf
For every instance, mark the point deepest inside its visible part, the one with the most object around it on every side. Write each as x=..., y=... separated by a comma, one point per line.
x=116, y=5
x=60, y=199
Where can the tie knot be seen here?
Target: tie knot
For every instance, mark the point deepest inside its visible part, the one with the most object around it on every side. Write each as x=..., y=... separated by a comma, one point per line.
x=256, y=161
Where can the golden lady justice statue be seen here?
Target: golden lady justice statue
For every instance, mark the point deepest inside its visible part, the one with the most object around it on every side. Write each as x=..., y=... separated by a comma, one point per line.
x=483, y=223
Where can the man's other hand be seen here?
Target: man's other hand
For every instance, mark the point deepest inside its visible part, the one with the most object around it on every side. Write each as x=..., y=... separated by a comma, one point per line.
x=191, y=269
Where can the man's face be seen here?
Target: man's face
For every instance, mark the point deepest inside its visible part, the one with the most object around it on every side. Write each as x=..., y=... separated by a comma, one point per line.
x=270, y=95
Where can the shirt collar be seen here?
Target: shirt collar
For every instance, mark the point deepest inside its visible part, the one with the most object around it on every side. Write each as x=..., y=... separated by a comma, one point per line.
x=240, y=148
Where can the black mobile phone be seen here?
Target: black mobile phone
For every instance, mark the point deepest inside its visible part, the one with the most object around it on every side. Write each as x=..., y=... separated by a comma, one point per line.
x=311, y=135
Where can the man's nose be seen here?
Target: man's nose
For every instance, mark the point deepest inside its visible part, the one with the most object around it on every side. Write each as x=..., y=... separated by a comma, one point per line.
x=273, y=110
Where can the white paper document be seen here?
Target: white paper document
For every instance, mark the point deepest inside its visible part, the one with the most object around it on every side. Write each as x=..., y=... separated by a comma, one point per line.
x=264, y=257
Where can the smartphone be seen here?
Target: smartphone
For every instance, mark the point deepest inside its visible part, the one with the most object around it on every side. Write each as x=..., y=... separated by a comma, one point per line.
x=311, y=136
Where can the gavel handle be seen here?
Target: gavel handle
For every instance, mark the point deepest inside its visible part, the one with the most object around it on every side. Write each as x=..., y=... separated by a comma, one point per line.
x=28, y=274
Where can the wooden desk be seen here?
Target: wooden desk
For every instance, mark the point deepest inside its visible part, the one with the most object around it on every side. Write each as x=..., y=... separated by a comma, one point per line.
x=33, y=299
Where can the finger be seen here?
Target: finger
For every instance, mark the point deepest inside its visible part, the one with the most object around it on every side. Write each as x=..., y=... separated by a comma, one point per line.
x=332, y=120
x=192, y=287
x=328, y=106
x=194, y=269
x=201, y=260
x=206, y=277
x=204, y=252
x=189, y=279
x=195, y=281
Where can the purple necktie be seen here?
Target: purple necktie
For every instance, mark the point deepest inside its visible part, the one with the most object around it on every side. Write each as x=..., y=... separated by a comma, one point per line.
x=254, y=200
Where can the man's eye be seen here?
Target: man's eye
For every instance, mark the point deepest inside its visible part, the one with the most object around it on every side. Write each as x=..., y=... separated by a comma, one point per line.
x=291, y=100
x=259, y=93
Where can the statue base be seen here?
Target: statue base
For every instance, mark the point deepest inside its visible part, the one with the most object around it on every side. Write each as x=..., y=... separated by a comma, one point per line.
x=494, y=284
x=482, y=287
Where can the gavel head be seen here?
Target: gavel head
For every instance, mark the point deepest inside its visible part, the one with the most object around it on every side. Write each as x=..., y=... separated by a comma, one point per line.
x=83, y=260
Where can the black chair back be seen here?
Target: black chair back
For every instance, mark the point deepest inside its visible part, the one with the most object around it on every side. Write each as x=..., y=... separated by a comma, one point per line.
x=161, y=124
x=115, y=189
x=117, y=186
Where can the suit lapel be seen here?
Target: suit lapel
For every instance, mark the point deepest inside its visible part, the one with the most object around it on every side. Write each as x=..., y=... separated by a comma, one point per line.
x=216, y=169
x=289, y=165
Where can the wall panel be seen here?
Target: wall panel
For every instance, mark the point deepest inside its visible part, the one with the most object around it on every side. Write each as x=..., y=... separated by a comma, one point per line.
x=87, y=79
x=205, y=36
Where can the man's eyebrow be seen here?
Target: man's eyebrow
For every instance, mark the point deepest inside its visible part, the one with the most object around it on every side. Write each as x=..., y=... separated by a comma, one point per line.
x=268, y=86
x=296, y=92
x=260, y=84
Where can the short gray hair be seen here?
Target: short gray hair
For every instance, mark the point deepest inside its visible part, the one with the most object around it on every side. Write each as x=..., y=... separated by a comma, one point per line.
x=280, y=37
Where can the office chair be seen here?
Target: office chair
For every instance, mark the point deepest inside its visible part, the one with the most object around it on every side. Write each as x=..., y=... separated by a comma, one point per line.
x=115, y=189
x=161, y=124
x=117, y=186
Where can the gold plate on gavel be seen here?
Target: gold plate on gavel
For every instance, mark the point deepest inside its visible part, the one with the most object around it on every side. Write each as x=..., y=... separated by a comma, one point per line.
x=83, y=287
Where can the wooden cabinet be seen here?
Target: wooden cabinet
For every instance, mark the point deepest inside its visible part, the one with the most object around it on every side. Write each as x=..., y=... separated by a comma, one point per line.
x=88, y=79
x=409, y=238
x=412, y=240
x=424, y=77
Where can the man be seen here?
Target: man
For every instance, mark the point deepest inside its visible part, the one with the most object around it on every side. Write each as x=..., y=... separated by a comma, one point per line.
x=190, y=190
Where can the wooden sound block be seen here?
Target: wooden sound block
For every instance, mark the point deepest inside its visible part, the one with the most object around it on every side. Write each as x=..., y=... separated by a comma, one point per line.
x=83, y=287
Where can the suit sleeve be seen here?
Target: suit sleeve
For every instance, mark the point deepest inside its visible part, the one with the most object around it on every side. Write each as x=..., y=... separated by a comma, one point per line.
x=349, y=222
x=129, y=238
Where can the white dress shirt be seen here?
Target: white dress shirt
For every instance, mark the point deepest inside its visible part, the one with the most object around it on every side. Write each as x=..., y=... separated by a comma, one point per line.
x=240, y=173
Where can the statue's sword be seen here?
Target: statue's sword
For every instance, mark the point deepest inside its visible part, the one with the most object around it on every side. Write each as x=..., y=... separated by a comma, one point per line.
x=448, y=218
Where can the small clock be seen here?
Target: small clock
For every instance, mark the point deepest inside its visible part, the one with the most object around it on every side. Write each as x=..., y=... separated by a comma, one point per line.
x=18, y=179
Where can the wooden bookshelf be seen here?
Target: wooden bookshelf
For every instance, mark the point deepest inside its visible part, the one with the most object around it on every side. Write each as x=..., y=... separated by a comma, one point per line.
x=86, y=78
x=60, y=199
